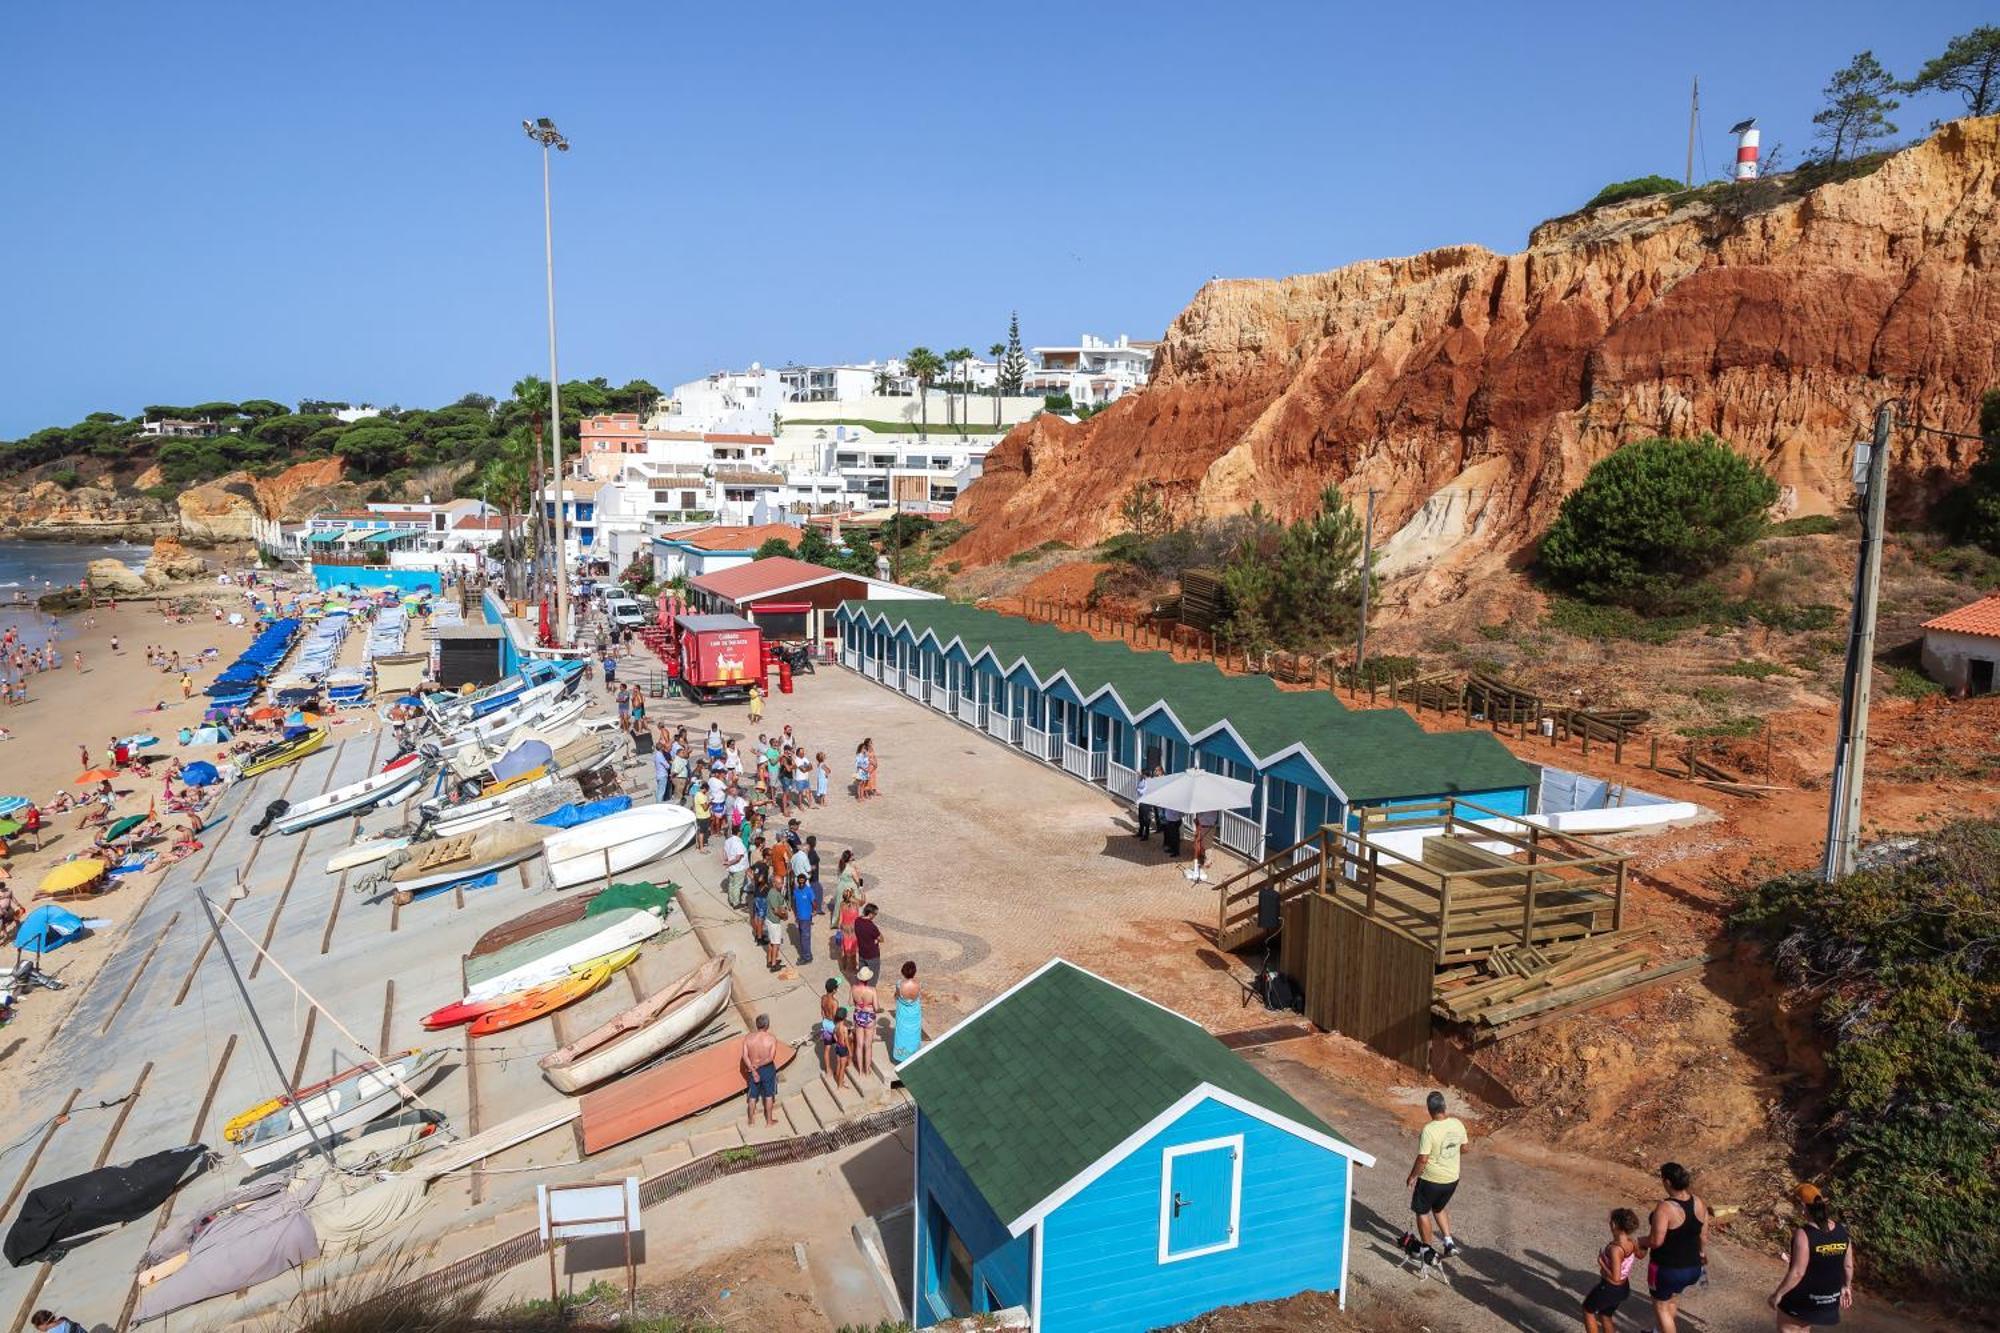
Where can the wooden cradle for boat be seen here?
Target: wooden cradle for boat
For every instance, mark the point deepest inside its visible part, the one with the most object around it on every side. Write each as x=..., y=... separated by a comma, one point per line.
x=445, y=860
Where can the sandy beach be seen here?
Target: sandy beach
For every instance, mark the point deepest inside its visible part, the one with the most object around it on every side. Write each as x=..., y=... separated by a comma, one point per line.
x=116, y=693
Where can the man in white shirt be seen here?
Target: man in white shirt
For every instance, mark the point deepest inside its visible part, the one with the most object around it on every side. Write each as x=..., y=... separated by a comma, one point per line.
x=735, y=865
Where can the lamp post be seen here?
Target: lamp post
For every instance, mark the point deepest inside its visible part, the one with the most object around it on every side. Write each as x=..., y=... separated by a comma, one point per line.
x=545, y=133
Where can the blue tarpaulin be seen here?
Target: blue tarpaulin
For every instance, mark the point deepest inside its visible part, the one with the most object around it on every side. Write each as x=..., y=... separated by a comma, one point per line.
x=569, y=816
x=523, y=758
x=47, y=927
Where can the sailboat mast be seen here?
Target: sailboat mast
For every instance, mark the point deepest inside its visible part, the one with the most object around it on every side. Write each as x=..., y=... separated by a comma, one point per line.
x=291, y=1089
x=1694, y=115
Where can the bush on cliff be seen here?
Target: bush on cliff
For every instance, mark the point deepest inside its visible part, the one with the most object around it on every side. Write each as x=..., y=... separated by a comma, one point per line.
x=1971, y=513
x=1637, y=188
x=1900, y=967
x=1652, y=519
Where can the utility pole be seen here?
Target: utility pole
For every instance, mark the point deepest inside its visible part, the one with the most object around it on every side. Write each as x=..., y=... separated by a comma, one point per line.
x=1367, y=577
x=1843, y=816
x=1694, y=115
x=544, y=132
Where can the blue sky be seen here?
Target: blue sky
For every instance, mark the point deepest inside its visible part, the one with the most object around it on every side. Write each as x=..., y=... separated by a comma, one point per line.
x=224, y=201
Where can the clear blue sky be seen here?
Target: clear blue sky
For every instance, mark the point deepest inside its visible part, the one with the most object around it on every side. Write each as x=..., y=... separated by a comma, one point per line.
x=335, y=200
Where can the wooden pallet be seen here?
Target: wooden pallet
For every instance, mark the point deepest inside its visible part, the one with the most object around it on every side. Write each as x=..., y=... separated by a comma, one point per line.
x=441, y=852
x=1524, y=981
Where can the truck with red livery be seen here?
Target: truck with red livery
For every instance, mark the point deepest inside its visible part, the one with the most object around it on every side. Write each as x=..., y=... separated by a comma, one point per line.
x=717, y=657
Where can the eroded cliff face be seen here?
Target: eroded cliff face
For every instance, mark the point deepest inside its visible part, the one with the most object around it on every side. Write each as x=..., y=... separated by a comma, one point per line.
x=50, y=512
x=224, y=510
x=1474, y=390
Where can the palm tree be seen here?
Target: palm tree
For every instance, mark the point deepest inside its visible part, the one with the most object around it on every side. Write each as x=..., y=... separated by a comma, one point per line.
x=959, y=356
x=923, y=365
x=996, y=351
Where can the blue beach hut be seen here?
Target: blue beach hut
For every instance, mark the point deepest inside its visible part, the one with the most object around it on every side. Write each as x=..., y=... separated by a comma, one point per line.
x=1106, y=1164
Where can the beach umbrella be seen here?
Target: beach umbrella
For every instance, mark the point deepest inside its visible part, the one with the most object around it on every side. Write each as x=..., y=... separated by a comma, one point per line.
x=8, y=828
x=71, y=876
x=200, y=773
x=1198, y=791
x=123, y=825
x=265, y=714
x=9, y=804
x=47, y=927
x=91, y=775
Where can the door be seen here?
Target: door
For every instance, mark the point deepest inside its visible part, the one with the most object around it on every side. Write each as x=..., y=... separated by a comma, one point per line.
x=1979, y=675
x=1281, y=815
x=1200, y=1198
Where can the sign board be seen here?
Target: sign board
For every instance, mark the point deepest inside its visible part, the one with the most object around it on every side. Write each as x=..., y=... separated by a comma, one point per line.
x=575, y=1212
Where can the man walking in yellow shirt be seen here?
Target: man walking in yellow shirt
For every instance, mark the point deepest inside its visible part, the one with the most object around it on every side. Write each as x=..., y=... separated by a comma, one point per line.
x=1434, y=1177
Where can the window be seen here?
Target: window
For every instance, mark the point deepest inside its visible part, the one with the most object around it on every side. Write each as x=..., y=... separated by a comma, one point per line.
x=1201, y=1198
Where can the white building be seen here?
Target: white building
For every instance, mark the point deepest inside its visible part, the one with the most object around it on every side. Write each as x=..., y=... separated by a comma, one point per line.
x=1093, y=372
x=1962, y=648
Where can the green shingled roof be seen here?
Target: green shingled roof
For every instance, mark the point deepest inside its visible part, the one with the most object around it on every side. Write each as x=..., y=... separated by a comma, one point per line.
x=1032, y=1091
x=1371, y=754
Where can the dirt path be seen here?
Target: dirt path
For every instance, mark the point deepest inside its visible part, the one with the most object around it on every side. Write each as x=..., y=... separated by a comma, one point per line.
x=1531, y=1220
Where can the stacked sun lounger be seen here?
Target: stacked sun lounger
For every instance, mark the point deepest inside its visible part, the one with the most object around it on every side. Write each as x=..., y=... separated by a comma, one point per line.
x=240, y=680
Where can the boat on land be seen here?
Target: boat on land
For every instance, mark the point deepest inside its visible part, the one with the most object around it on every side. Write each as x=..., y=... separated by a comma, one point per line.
x=489, y=796
x=640, y=1103
x=399, y=781
x=552, y=953
x=567, y=908
x=541, y=1001
x=363, y=853
x=238, y=1127
x=655, y=1025
x=561, y=676
x=538, y=710
x=461, y=856
x=617, y=843
x=279, y=753
x=347, y=1101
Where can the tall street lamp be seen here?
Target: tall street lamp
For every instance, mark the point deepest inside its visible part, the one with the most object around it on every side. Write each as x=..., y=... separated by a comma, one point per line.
x=545, y=133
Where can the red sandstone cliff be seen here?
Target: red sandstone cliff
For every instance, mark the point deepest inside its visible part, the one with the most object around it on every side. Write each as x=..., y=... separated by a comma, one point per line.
x=1474, y=390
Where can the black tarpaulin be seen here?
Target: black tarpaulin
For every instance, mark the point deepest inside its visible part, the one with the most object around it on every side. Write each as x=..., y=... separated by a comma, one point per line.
x=66, y=1209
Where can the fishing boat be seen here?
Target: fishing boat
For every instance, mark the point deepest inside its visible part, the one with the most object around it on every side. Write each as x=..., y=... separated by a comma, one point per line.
x=649, y=1028
x=543, y=715
x=443, y=860
x=279, y=753
x=640, y=1103
x=616, y=843
x=399, y=780
x=345, y=1102
x=541, y=1001
x=238, y=1127
x=362, y=853
x=496, y=800
x=551, y=954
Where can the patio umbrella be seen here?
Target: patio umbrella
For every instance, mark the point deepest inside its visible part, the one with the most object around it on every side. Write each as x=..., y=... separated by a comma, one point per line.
x=1198, y=791
x=71, y=876
x=265, y=714
x=91, y=775
x=8, y=828
x=9, y=804
x=123, y=825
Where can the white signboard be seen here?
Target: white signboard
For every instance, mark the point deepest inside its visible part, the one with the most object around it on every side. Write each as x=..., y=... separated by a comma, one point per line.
x=575, y=1212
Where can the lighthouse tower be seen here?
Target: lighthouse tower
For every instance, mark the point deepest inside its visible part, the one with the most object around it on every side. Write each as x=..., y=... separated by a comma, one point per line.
x=1746, y=149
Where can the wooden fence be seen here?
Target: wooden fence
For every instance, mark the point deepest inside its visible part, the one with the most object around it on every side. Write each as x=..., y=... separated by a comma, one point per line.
x=1361, y=978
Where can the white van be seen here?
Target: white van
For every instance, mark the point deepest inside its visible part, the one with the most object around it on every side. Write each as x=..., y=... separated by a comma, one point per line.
x=624, y=610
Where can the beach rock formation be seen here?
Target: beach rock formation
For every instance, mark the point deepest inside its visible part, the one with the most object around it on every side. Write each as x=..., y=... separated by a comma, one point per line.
x=172, y=562
x=226, y=509
x=112, y=578
x=49, y=512
x=1473, y=390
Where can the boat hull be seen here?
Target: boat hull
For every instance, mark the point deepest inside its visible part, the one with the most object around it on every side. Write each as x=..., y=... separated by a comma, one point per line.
x=352, y=1101
x=398, y=783
x=648, y=1029
x=617, y=843
x=541, y=1001
x=641, y=1103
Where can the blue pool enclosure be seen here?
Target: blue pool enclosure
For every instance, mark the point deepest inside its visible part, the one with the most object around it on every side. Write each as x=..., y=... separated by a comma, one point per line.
x=1105, y=1164
x=1105, y=713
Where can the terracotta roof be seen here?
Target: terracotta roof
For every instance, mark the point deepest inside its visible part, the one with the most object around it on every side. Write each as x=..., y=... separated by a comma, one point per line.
x=721, y=537
x=673, y=435
x=481, y=523
x=737, y=439
x=1981, y=617
x=748, y=477
x=771, y=574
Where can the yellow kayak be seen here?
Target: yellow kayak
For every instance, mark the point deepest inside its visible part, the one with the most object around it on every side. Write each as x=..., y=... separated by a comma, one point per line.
x=279, y=754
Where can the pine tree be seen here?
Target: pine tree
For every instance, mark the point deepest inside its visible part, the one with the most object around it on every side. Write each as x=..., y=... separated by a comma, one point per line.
x=1970, y=67
x=1857, y=108
x=1014, y=366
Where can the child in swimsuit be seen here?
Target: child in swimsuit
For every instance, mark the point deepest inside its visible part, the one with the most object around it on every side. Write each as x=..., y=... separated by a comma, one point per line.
x=843, y=1043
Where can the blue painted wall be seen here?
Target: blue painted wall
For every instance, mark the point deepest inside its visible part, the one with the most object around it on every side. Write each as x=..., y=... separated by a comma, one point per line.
x=510, y=657
x=1100, y=1251
x=369, y=576
x=1506, y=801
x=1000, y=1262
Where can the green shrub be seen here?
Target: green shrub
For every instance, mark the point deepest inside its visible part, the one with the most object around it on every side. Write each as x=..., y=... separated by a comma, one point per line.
x=68, y=478
x=1794, y=619
x=1651, y=519
x=1037, y=552
x=1589, y=620
x=1909, y=683
x=1808, y=525
x=1899, y=967
x=1734, y=728
x=1637, y=188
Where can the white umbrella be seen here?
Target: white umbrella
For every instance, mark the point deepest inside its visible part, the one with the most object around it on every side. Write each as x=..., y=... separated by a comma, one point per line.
x=1197, y=791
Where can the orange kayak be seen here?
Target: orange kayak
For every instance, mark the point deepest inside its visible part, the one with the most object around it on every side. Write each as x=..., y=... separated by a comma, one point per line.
x=542, y=1001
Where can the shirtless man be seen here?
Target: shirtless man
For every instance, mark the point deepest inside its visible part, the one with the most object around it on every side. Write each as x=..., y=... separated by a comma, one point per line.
x=760, y=1071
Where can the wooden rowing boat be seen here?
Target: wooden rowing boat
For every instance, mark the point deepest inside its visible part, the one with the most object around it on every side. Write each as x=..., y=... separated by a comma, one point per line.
x=541, y=1001
x=570, y=907
x=640, y=1103
x=656, y=1024
x=547, y=958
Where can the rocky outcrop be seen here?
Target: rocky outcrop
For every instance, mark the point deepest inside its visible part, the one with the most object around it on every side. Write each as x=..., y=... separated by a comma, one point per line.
x=172, y=562
x=48, y=512
x=112, y=578
x=225, y=510
x=1473, y=390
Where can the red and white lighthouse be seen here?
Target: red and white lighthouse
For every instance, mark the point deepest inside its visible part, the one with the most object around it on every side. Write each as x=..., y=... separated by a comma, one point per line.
x=1746, y=149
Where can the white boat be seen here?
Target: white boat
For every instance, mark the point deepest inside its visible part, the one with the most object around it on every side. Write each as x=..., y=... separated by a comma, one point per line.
x=360, y=1095
x=471, y=760
x=444, y=816
x=363, y=853
x=616, y=843
x=399, y=781
x=462, y=856
x=543, y=716
x=445, y=828
x=621, y=930
x=656, y=1024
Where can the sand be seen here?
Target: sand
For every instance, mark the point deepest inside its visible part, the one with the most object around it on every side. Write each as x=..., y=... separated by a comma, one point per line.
x=115, y=693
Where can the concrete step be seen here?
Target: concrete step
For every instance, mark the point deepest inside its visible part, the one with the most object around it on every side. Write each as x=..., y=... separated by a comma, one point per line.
x=716, y=1140
x=665, y=1159
x=823, y=1104
x=799, y=1111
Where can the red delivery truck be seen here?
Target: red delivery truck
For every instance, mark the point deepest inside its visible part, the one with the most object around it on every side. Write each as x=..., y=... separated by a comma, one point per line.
x=719, y=656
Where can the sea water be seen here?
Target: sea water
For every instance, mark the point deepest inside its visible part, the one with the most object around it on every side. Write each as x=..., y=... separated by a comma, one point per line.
x=33, y=568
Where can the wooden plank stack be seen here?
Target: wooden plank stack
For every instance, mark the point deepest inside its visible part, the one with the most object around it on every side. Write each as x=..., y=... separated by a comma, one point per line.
x=1522, y=987
x=1204, y=603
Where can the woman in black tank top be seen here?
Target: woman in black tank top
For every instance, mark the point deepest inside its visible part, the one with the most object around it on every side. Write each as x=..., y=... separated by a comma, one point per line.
x=1675, y=1246
x=1820, y=1282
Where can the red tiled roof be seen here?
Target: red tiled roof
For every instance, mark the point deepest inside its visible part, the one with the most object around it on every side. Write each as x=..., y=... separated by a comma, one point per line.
x=1981, y=617
x=745, y=538
x=737, y=439
x=481, y=523
x=765, y=576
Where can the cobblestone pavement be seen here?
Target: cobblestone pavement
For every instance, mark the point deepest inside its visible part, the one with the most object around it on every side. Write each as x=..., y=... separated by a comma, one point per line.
x=986, y=862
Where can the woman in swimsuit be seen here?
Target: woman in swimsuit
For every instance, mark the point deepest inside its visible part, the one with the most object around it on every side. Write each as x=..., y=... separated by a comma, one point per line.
x=864, y=1000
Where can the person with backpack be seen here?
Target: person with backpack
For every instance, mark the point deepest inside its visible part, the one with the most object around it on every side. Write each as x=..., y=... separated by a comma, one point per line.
x=1819, y=1284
